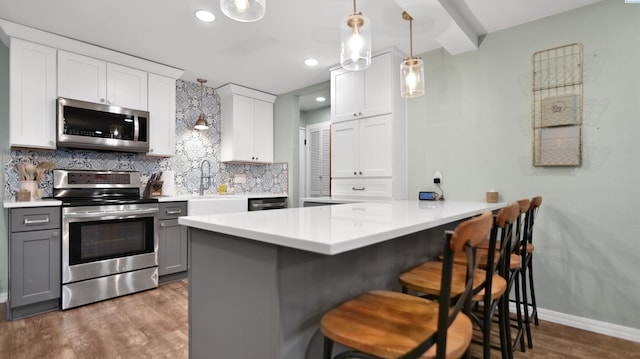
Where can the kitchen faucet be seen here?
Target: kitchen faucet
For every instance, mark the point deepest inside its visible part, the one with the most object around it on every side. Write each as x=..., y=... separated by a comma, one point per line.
x=205, y=184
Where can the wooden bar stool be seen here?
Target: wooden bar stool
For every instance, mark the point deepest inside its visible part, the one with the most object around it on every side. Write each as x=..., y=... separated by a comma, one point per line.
x=526, y=270
x=515, y=270
x=385, y=324
x=489, y=284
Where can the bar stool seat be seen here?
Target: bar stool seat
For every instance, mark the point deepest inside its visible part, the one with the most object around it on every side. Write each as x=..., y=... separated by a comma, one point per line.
x=364, y=324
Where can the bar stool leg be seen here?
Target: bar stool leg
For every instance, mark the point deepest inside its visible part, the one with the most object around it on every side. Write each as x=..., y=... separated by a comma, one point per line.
x=520, y=334
x=328, y=348
x=534, y=312
x=525, y=301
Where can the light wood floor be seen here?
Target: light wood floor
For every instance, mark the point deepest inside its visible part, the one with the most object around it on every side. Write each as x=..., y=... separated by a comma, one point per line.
x=153, y=324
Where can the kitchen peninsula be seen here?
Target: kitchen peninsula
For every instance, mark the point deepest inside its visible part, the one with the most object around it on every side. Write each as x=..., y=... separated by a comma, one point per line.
x=259, y=282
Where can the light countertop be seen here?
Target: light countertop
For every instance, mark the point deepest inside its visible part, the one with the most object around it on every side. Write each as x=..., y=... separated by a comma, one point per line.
x=335, y=229
x=45, y=202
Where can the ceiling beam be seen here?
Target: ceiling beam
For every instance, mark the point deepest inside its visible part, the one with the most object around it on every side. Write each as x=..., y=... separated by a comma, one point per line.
x=460, y=35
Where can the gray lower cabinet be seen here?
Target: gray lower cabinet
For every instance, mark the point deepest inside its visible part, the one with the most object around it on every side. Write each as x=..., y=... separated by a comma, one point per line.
x=172, y=241
x=34, y=261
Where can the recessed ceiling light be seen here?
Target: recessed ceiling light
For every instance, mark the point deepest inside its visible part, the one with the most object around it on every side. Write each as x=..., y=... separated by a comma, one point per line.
x=321, y=99
x=205, y=16
x=311, y=62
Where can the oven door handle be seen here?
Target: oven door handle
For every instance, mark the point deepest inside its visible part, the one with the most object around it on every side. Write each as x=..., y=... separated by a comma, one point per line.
x=97, y=214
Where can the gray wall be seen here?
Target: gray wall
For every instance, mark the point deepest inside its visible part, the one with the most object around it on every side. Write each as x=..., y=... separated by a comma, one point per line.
x=4, y=143
x=287, y=121
x=474, y=125
x=315, y=116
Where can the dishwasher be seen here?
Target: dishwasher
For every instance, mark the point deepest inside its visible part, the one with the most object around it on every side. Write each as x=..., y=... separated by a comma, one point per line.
x=261, y=204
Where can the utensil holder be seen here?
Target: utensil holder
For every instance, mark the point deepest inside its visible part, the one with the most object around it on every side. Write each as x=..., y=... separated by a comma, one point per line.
x=23, y=195
x=32, y=187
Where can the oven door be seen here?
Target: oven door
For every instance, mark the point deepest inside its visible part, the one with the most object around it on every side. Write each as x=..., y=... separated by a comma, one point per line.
x=99, y=241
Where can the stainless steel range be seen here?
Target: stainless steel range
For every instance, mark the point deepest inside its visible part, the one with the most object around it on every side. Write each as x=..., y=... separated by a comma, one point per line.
x=109, y=235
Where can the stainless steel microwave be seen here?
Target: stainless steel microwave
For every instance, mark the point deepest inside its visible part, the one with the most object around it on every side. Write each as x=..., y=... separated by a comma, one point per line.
x=101, y=127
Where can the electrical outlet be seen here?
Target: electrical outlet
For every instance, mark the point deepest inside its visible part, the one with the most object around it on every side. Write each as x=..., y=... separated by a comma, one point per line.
x=437, y=177
x=240, y=179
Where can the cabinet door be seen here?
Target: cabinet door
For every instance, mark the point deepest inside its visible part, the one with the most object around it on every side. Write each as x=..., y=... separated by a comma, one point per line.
x=32, y=95
x=375, y=149
x=35, y=267
x=82, y=78
x=126, y=87
x=318, y=160
x=243, y=132
x=172, y=247
x=263, y=131
x=346, y=95
x=162, y=113
x=378, y=86
x=345, y=138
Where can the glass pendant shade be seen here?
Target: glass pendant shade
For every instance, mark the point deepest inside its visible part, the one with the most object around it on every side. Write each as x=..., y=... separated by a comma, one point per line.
x=355, y=36
x=411, y=77
x=201, y=123
x=411, y=69
x=244, y=10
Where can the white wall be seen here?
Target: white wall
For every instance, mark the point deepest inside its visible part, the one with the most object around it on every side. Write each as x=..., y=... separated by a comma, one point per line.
x=474, y=125
x=4, y=143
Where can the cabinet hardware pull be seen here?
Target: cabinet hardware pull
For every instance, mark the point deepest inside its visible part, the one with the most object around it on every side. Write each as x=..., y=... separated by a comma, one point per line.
x=358, y=188
x=173, y=211
x=360, y=173
x=32, y=222
x=355, y=173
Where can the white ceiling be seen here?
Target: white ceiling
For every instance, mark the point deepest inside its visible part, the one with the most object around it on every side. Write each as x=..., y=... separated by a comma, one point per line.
x=268, y=55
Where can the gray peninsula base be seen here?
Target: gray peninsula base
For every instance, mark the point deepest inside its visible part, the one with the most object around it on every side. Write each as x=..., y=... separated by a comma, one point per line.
x=249, y=299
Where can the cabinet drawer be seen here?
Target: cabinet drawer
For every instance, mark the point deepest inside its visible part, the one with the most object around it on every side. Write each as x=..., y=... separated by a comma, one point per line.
x=364, y=187
x=36, y=218
x=172, y=210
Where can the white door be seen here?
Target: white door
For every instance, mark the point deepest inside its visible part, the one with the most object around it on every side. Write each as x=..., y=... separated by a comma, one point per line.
x=302, y=163
x=162, y=112
x=378, y=86
x=82, y=78
x=126, y=87
x=345, y=138
x=32, y=100
x=243, y=130
x=346, y=95
x=375, y=146
x=263, y=131
x=319, y=159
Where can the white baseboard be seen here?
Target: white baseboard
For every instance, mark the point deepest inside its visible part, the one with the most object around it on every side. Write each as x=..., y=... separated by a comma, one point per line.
x=592, y=325
x=3, y=297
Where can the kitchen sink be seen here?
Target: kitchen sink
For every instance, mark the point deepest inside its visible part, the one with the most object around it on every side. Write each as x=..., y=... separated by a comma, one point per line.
x=216, y=205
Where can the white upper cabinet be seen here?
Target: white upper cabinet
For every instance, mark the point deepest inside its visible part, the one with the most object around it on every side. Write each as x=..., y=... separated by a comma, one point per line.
x=93, y=80
x=247, y=125
x=32, y=104
x=162, y=113
x=362, y=148
x=362, y=93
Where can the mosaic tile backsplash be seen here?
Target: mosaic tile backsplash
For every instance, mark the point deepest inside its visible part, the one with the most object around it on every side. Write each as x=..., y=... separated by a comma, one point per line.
x=192, y=147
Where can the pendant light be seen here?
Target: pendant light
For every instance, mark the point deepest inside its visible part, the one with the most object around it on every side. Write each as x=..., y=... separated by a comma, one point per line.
x=201, y=122
x=355, y=36
x=244, y=10
x=411, y=69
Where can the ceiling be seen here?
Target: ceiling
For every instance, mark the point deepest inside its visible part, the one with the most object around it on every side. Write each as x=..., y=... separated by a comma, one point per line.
x=268, y=55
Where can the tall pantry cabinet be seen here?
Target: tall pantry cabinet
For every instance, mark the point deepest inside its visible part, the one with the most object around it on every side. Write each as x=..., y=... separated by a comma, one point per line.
x=368, y=134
